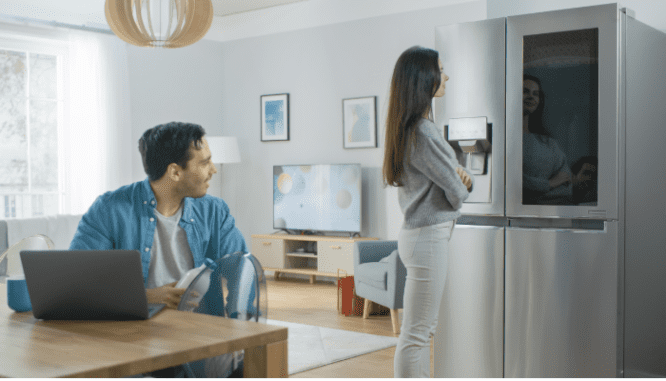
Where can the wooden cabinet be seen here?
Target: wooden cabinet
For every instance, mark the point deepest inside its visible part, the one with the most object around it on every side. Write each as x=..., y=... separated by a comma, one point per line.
x=303, y=254
x=334, y=255
x=264, y=249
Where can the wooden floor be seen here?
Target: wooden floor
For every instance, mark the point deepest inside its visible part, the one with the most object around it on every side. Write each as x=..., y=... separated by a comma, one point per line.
x=297, y=301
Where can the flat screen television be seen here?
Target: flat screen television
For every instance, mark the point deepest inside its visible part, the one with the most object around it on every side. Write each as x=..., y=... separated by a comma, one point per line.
x=319, y=198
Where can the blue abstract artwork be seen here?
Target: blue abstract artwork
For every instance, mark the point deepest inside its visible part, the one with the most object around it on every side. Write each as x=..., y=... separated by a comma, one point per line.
x=361, y=129
x=274, y=117
x=359, y=122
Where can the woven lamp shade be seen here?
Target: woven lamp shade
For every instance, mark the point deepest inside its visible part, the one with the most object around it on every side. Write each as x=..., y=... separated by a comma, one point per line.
x=159, y=23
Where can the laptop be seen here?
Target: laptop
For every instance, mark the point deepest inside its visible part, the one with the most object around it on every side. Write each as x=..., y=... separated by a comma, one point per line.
x=86, y=285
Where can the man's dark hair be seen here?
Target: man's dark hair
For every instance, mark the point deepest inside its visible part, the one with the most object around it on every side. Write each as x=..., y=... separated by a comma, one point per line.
x=168, y=143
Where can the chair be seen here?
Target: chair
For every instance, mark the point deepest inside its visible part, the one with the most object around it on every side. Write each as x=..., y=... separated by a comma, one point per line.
x=35, y=242
x=379, y=276
x=237, y=291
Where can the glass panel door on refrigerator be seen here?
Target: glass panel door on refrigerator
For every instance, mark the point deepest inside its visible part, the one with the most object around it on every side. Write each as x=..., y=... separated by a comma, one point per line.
x=560, y=152
x=562, y=125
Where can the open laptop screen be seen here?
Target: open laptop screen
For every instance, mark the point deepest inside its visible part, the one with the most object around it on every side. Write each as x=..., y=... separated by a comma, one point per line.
x=86, y=285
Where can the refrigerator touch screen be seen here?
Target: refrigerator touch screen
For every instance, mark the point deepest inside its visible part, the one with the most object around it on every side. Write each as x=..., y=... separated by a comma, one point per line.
x=560, y=118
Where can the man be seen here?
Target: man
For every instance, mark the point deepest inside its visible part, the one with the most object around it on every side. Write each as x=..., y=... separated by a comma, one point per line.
x=168, y=216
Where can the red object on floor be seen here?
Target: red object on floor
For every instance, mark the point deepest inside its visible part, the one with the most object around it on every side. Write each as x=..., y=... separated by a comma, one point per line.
x=348, y=302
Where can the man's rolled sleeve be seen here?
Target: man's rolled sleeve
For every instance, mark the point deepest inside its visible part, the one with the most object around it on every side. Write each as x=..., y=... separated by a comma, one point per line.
x=231, y=239
x=92, y=232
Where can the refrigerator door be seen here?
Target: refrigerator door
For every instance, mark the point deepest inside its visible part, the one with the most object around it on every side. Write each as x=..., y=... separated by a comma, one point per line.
x=473, y=56
x=469, y=337
x=561, y=302
x=562, y=114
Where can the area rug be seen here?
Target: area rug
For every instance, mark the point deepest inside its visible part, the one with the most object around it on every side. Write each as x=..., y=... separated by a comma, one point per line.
x=311, y=347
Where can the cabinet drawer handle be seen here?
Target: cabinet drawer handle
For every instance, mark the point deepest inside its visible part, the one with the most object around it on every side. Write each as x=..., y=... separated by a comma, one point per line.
x=336, y=247
x=267, y=243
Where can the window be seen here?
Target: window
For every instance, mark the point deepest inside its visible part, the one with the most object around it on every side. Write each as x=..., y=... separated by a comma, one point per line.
x=30, y=111
x=65, y=127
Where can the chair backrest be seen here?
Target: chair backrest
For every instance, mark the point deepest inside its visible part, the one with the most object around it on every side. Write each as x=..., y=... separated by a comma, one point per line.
x=237, y=290
x=35, y=242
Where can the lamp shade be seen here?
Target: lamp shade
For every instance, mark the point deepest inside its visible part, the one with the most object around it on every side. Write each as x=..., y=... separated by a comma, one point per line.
x=159, y=23
x=224, y=149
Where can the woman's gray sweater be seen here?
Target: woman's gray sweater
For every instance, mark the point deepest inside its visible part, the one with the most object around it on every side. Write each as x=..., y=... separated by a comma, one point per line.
x=432, y=192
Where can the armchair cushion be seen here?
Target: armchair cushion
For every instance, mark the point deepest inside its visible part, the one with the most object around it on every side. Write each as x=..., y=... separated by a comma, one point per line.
x=379, y=274
x=372, y=274
x=373, y=251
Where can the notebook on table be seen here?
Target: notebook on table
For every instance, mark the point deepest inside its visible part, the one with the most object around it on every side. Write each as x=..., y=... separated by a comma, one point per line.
x=86, y=285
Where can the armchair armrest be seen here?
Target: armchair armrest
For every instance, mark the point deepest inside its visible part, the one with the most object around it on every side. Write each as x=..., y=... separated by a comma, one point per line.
x=395, y=280
x=372, y=251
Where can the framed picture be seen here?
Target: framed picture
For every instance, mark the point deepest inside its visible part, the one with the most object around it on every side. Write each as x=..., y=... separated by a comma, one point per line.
x=274, y=117
x=359, y=122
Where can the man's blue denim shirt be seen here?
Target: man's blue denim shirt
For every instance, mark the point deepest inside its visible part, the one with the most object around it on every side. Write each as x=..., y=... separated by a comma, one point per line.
x=124, y=219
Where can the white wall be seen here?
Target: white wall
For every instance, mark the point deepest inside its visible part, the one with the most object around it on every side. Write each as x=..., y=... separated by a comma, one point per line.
x=219, y=85
x=174, y=85
x=650, y=12
x=319, y=67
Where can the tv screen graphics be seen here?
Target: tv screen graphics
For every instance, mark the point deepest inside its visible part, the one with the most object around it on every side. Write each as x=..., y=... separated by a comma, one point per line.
x=322, y=197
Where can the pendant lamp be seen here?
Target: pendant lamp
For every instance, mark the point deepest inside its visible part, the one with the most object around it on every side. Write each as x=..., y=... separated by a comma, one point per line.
x=159, y=23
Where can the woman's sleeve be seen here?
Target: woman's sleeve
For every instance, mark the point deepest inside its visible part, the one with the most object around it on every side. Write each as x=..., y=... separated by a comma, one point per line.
x=537, y=184
x=437, y=160
x=562, y=164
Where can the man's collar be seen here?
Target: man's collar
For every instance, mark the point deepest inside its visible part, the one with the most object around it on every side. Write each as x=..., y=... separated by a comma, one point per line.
x=148, y=198
x=147, y=193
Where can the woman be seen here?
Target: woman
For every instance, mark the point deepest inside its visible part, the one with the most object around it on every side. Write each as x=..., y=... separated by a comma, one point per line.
x=547, y=178
x=432, y=188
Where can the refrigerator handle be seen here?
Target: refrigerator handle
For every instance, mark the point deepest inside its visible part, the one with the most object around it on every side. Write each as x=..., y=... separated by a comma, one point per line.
x=557, y=224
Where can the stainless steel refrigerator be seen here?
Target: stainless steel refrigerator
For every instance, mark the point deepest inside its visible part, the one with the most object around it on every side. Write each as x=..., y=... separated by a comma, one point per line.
x=557, y=267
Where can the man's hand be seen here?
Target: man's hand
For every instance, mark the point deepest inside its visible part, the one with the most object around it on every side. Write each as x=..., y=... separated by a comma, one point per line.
x=167, y=294
x=466, y=180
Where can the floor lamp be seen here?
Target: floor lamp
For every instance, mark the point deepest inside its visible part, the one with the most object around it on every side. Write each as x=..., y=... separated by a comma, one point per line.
x=223, y=150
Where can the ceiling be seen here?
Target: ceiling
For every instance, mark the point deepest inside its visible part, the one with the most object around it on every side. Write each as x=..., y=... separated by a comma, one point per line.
x=91, y=12
x=230, y=7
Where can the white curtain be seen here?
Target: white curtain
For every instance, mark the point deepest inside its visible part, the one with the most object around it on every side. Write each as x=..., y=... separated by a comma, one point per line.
x=95, y=146
x=97, y=138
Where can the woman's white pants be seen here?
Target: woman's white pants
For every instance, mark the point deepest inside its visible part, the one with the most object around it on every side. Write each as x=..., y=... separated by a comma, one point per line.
x=424, y=252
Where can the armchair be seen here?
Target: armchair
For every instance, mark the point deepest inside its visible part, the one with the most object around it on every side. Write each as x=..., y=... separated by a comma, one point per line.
x=379, y=276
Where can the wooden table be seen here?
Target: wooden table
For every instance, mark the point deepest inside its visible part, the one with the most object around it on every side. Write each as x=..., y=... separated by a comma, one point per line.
x=45, y=349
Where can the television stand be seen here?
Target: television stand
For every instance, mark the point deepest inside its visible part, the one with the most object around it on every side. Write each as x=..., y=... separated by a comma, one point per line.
x=311, y=232
x=287, y=253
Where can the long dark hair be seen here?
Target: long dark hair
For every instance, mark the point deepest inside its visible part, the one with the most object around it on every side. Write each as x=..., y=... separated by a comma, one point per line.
x=168, y=143
x=535, y=120
x=416, y=78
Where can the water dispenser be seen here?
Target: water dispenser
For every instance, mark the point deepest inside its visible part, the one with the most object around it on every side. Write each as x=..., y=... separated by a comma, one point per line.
x=472, y=140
